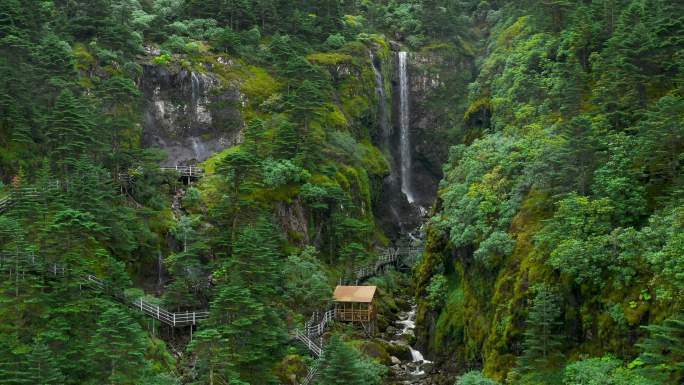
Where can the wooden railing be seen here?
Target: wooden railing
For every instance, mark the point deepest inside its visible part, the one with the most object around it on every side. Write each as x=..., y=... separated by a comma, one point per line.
x=398, y=257
x=185, y=171
x=27, y=192
x=316, y=349
x=90, y=280
x=320, y=322
x=182, y=171
x=312, y=372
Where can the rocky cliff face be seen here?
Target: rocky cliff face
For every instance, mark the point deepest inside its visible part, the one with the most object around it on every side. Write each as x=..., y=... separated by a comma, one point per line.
x=438, y=79
x=189, y=114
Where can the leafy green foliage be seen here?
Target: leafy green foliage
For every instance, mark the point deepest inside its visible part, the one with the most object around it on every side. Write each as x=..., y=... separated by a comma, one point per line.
x=568, y=175
x=437, y=291
x=475, y=378
x=605, y=370
x=306, y=286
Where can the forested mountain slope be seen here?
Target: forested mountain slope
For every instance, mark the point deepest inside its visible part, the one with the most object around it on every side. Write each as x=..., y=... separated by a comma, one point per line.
x=554, y=250
x=558, y=233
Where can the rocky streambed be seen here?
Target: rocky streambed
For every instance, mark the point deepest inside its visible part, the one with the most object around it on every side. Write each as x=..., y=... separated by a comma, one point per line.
x=406, y=369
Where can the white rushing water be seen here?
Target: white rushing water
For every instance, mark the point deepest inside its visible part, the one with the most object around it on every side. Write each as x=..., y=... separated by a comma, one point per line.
x=404, y=127
x=195, y=89
x=408, y=324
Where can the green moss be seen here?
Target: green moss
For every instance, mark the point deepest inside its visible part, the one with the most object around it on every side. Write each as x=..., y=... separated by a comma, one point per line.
x=258, y=84
x=515, y=30
x=84, y=59
x=450, y=323
x=329, y=58
x=334, y=118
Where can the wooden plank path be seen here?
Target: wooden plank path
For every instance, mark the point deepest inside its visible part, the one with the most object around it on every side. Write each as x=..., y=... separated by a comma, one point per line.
x=190, y=172
x=173, y=319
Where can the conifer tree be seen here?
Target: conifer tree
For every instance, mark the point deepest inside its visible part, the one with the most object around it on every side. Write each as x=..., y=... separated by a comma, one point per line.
x=42, y=366
x=118, y=346
x=247, y=314
x=13, y=369
x=541, y=346
x=69, y=132
x=663, y=350
x=342, y=364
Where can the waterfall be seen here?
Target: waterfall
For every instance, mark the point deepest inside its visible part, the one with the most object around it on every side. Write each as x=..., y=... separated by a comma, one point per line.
x=160, y=269
x=407, y=323
x=195, y=88
x=404, y=128
x=380, y=91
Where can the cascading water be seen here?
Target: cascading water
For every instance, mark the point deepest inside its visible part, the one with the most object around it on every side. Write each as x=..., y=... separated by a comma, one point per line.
x=195, y=89
x=414, y=371
x=404, y=127
x=380, y=91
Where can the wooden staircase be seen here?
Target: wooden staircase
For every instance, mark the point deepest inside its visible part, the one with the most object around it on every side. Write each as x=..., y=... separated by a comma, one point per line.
x=320, y=322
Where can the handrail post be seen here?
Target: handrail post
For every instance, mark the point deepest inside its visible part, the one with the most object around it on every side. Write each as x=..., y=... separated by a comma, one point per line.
x=158, y=312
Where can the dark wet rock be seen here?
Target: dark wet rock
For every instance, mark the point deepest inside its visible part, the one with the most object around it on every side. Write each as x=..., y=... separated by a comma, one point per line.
x=291, y=370
x=189, y=114
x=399, y=350
x=377, y=351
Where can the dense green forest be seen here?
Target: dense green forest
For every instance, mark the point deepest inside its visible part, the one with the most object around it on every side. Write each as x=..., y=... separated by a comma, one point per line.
x=553, y=250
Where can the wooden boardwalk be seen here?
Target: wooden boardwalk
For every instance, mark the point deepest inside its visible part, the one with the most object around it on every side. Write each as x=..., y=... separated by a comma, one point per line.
x=19, y=263
x=189, y=172
x=311, y=334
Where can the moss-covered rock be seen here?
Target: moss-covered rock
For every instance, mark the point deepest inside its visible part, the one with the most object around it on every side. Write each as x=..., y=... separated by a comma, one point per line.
x=291, y=370
x=376, y=351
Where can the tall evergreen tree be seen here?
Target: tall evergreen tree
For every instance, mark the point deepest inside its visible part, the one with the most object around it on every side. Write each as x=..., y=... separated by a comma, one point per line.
x=663, y=350
x=342, y=364
x=542, y=342
x=70, y=131
x=42, y=366
x=118, y=347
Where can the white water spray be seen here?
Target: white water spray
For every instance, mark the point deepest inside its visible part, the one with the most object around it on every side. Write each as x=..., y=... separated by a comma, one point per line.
x=408, y=324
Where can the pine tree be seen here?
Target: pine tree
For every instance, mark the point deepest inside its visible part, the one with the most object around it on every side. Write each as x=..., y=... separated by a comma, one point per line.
x=42, y=366
x=286, y=142
x=245, y=312
x=185, y=266
x=342, y=364
x=542, y=339
x=13, y=369
x=213, y=361
x=118, y=346
x=663, y=350
x=70, y=130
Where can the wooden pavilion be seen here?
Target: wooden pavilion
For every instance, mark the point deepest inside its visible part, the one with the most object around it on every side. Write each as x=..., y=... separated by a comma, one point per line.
x=356, y=304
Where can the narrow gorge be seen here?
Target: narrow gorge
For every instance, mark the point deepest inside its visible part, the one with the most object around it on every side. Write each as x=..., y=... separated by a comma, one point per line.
x=404, y=192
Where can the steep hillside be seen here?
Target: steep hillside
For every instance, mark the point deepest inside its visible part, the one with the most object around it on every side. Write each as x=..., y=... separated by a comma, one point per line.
x=557, y=236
